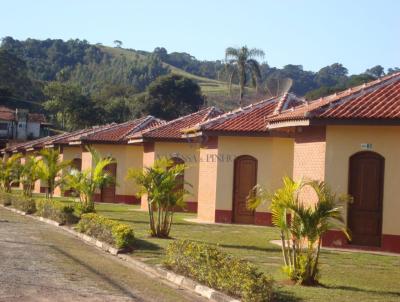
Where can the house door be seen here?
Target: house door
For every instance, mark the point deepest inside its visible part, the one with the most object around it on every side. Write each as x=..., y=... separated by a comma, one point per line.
x=108, y=192
x=366, y=188
x=245, y=178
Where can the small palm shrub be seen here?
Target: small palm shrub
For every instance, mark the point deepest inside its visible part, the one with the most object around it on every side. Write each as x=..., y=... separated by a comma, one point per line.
x=114, y=233
x=217, y=269
x=302, y=224
x=164, y=187
x=50, y=170
x=85, y=183
x=29, y=174
x=10, y=170
x=57, y=211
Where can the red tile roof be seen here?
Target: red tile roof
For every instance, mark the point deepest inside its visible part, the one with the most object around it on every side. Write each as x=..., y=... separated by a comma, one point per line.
x=173, y=129
x=379, y=99
x=119, y=133
x=7, y=114
x=252, y=118
x=36, y=118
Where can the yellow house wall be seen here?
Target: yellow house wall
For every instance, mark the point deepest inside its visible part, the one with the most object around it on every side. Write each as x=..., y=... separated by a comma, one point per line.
x=275, y=160
x=344, y=141
x=189, y=152
x=126, y=156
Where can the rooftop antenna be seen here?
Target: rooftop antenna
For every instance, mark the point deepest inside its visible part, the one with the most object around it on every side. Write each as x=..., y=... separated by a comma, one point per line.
x=277, y=87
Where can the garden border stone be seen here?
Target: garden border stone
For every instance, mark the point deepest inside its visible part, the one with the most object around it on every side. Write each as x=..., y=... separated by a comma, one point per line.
x=157, y=271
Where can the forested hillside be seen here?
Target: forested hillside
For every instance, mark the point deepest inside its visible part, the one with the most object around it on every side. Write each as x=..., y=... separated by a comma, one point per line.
x=77, y=84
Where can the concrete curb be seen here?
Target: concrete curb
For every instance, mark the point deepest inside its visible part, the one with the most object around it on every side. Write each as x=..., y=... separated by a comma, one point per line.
x=158, y=271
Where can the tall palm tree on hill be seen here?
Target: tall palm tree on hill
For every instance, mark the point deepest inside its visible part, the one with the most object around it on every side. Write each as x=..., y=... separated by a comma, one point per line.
x=242, y=62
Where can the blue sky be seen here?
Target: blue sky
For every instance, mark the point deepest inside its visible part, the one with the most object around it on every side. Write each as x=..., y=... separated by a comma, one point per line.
x=358, y=34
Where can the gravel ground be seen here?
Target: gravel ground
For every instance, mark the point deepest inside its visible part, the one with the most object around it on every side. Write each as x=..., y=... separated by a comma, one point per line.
x=41, y=263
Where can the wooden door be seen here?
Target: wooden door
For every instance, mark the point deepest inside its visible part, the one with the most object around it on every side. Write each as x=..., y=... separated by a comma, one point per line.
x=245, y=178
x=108, y=192
x=366, y=188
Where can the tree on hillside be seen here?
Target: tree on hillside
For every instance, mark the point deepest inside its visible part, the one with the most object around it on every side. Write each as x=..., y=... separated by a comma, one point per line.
x=68, y=107
x=332, y=75
x=376, y=71
x=14, y=80
x=118, y=43
x=171, y=96
x=243, y=64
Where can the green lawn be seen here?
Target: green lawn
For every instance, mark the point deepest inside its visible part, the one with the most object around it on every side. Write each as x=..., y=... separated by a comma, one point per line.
x=345, y=276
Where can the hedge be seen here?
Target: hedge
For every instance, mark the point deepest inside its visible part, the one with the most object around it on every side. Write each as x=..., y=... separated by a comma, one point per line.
x=215, y=268
x=6, y=198
x=55, y=210
x=114, y=233
x=23, y=203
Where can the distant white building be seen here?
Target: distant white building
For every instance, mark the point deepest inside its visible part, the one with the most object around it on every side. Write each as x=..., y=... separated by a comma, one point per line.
x=20, y=125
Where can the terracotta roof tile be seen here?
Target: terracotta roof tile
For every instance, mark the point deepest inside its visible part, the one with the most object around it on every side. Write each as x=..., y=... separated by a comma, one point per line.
x=252, y=118
x=173, y=129
x=7, y=114
x=120, y=132
x=36, y=118
x=379, y=99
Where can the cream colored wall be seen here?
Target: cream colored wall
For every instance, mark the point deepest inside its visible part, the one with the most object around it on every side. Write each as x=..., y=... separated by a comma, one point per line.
x=275, y=160
x=344, y=141
x=126, y=156
x=189, y=152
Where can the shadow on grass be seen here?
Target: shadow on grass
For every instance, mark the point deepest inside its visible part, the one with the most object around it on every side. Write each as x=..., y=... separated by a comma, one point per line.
x=356, y=289
x=143, y=222
x=282, y=296
x=141, y=244
x=252, y=248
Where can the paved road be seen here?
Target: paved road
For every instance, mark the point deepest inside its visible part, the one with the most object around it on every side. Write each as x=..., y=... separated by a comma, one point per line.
x=41, y=263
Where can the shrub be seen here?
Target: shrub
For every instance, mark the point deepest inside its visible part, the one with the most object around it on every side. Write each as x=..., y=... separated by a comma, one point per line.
x=6, y=198
x=114, y=233
x=55, y=210
x=24, y=204
x=217, y=269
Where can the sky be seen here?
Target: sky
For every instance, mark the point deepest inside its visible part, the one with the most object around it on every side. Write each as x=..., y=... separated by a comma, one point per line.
x=359, y=34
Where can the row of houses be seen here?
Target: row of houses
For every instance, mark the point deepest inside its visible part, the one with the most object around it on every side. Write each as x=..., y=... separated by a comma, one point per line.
x=350, y=140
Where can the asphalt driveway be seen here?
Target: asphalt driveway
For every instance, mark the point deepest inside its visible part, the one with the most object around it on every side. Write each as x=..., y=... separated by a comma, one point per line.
x=41, y=263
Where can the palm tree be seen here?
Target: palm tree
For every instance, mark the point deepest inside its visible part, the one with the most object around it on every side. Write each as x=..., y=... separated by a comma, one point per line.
x=302, y=224
x=242, y=62
x=10, y=171
x=50, y=169
x=29, y=174
x=87, y=182
x=164, y=186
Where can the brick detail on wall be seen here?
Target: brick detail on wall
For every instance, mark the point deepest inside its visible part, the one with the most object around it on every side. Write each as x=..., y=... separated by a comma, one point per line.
x=223, y=216
x=389, y=243
x=263, y=218
x=208, y=182
x=309, y=153
x=148, y=160
x=128, y=199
